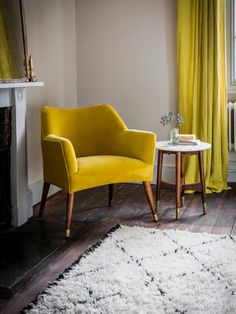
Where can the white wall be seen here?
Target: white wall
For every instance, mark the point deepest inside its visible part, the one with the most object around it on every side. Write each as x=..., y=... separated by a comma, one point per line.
x=51, y=36
x=126, y=56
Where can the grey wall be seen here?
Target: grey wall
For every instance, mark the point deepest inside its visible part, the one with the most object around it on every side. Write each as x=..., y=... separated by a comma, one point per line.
x=126, y=56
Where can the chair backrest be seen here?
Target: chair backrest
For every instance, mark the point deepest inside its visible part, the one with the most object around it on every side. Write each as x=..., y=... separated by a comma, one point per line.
x=92, y=130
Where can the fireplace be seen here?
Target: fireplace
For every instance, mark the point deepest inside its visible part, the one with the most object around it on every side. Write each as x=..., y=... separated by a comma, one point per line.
x=16, y=200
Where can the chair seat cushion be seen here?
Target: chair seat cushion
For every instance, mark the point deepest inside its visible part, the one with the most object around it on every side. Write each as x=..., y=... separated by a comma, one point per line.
x=106, y=169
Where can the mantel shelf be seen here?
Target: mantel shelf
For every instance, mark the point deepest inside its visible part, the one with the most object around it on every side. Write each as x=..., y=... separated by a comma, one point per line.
x=20, y=84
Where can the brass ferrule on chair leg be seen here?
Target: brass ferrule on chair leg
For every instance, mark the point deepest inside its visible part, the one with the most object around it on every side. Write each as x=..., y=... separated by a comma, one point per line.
x=182, y=200
x=155, y=217
x=67, y=233
x=177, y=213
x=158, y=203
x=204, y=208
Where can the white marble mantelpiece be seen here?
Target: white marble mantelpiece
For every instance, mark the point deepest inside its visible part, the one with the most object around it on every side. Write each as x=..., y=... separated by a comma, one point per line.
x=14, y=95
x=167, y=146
x=20, y=84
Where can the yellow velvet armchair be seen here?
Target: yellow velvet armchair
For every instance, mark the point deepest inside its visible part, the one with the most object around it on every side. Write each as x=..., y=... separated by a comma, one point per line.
x=91, y=146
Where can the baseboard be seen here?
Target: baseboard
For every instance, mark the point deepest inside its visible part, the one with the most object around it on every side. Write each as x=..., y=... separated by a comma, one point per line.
x=232, y=171
x=36, y=189
x=167, y=175
x=232, y=167
x=169, y=172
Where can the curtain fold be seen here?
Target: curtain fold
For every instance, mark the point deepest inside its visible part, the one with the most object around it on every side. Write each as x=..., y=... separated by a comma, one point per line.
x=201, y=61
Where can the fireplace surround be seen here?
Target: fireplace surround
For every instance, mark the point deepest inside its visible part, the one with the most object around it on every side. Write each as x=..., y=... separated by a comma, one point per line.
x=19, y=201
x=5, y=161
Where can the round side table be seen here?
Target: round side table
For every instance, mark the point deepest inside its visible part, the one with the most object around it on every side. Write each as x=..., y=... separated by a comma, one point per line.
x=180, y=152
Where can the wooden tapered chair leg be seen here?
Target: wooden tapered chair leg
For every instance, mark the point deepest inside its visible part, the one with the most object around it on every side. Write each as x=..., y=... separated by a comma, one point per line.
x=69, y=209
x=111, y=190
x=46, y=186
x=151, y=201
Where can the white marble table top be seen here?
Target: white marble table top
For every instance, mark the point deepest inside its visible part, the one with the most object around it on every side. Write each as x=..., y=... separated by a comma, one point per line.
x=167, y=146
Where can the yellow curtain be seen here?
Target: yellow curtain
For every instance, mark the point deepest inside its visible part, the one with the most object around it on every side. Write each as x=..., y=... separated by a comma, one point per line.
x=202, y=85
x=6, y=68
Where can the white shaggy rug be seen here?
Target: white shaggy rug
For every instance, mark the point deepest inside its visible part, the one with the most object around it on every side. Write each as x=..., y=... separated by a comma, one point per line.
x=142, y=270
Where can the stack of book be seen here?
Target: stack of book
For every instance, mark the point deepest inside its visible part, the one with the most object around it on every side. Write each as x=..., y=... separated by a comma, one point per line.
x=188, y=139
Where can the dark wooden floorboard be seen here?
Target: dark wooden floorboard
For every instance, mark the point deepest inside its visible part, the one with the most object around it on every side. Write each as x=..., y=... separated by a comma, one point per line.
x=74, y=249
x=226, y=219
x=92, y=219
x=206, y=223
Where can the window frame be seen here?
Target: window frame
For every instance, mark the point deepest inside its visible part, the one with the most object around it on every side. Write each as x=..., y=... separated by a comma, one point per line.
x=230, y=66
x=232, y=43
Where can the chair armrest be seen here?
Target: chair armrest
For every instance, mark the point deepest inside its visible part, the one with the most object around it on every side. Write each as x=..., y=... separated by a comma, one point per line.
x=59, y=160
x=138, y=144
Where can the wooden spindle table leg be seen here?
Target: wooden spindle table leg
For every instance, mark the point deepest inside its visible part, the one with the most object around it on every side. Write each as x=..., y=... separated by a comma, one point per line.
x=178, y=183
x=159, y=175
x=202, y=178
x=182, y=177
